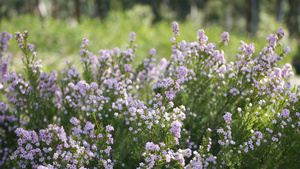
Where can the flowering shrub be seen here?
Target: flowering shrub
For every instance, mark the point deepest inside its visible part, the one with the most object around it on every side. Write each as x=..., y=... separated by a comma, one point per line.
x=193, y=111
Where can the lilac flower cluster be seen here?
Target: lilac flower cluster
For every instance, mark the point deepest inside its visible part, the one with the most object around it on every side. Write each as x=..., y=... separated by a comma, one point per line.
x=4, y=38
x=4, y=60
x=245, y=79
x=202, y=37
x=193, y=111
x=225, y=38
x=51, y=148
x=156, y=153
x=8, y=124
x=175, y=27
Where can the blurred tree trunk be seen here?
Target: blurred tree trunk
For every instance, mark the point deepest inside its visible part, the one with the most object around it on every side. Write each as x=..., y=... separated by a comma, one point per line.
x=279, y=10
x=228, y=14
x=1, y=11
x=77, y=10
x=55, y=9
x=102, y=8
x=28, y=6
x=155, y=8
x=292, y=19
x=252, y=16
x=194, y=9
x=36, y=7
x=32, y=6
x=182, y=8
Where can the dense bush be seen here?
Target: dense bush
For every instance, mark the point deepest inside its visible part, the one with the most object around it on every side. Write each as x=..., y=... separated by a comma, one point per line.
x=193, y=111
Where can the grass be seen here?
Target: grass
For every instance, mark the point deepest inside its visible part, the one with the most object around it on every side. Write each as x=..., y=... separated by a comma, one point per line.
x=56, y=41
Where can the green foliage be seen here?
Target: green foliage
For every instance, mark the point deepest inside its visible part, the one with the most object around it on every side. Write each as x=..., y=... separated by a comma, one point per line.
x=55, y=41
x=248, y=94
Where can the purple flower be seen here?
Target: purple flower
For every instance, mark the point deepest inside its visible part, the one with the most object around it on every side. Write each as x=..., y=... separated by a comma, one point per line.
x=150, y=146
x=227, y=117
x=4, y=38
x=109, y=128
x=182, y=72
x=201, y=36
x=107, y=150
x=225, y=38
x=173, y=40
x=116, y=50
x=176, y=128
x=81, y=51
x=188, y=152
x=19, y=38
x=281, y=32
x=74, y=121
x=286, y=49
x=272, y=39
x=250, y=49
x=152, y=52
x=84, y=42
x=94, y=86
x=175, y=28
x=3, y=68
x=285, y=113
x=89, y=126
x=30, y=46
x=132, y=34
x=127, y=67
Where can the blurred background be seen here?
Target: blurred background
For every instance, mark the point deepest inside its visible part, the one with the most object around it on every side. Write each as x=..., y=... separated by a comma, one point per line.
x=57, y=27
